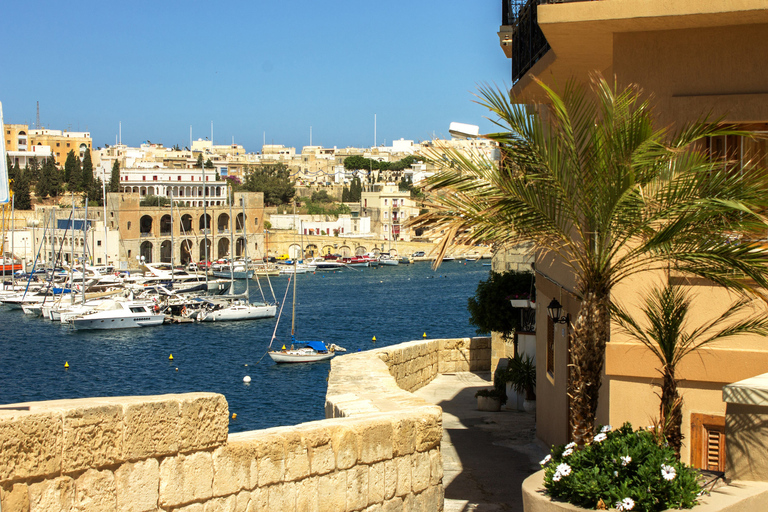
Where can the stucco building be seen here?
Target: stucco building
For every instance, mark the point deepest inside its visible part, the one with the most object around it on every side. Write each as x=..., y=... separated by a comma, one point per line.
x=692, y=58
x=187, y=233
x=389, y=208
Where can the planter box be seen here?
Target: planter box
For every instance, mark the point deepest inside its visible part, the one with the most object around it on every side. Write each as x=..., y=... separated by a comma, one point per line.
x=488, y=403
x=522, y=303
x=743, y=496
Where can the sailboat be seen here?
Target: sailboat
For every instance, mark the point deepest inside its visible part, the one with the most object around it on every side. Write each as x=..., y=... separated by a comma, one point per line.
x=299, y=351
x=237, y=307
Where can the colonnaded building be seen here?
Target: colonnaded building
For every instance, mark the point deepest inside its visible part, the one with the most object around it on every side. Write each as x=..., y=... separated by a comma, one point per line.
x=183, y=234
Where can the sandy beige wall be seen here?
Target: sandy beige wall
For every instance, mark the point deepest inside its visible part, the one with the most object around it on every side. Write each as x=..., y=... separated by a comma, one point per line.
x=173, y=452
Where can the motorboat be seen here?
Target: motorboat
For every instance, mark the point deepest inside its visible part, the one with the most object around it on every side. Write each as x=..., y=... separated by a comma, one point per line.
x=235, y=270
x=386, y=259
x=325, y=264
x=113, y=314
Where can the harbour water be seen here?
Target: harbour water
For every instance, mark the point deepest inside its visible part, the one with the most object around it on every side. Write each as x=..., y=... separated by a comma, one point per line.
x=349, y=308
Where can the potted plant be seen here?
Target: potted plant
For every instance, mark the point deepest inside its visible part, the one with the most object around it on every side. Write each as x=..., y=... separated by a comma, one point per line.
x=492, y=399
x=521, y=374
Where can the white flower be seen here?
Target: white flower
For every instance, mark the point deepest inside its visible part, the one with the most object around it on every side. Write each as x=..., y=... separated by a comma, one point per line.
x=564, y=469
x=556, y=477
x=570, y=445
x=546, y=460
x=628, y=503
x=615, y=473
x=606, y=428
x=600, y=437
x=619, y=506
x=668, y=472
x=625, y=459
x=567, y=452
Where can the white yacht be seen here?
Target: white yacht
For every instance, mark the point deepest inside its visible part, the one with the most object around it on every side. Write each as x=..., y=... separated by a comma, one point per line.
x=222, y=310
x=114, y=314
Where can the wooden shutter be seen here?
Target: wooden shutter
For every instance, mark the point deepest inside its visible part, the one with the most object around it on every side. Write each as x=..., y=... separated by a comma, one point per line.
x=708, y=442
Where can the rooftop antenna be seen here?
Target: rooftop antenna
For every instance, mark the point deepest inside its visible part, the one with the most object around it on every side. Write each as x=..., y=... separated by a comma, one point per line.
x=211, y=133
x=190, y=136
x=374, y=130
x=121, y=132
x=37, y=119
x=310, y=135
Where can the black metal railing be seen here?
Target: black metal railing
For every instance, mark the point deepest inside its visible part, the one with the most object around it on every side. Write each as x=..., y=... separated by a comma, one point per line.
x=528, y=41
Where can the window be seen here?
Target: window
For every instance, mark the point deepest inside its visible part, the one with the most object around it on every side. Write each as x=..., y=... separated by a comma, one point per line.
x=550, y=347
x=154, y=178
x=708, y=442
x=128, y=226
x=67, y=144
x=98, y=243
x=57, y=145
x=385, y=202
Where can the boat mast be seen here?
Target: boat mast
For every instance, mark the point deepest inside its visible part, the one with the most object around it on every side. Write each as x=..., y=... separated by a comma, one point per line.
x=104, y=202
x=231, y=243
x=205, y=231
x=293, y=310
x=173, y=249
x=13, y=236
x=85, y=242
x=245, y=253
x=72, y=254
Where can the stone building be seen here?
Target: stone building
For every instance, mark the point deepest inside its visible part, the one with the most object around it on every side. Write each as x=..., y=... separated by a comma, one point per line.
x=188, y=233
x=18, y=137
x=389, y=208
x=692, y=58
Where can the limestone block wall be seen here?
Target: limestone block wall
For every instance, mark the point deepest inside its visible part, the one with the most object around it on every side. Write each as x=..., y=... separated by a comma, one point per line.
x=379, y=451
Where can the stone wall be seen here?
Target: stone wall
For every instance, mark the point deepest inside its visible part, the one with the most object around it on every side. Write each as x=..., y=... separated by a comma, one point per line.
x=380, y=451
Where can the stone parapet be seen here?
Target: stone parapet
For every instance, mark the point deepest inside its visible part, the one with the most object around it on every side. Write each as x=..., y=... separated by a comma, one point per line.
x=379, y=449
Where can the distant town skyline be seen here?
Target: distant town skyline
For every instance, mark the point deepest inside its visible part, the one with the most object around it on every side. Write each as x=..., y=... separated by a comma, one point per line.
x=260, y=72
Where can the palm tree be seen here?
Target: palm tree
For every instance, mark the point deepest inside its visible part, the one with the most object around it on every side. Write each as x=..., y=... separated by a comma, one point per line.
x=596, y=188
x=666, y=335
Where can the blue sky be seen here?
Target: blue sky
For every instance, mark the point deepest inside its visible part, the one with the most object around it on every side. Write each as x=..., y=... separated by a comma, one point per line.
x=257, y=70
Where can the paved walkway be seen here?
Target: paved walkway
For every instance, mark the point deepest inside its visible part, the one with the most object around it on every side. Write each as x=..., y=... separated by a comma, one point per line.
x=486, y=455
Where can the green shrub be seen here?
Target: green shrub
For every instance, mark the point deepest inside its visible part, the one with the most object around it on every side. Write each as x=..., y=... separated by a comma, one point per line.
x=625, y=469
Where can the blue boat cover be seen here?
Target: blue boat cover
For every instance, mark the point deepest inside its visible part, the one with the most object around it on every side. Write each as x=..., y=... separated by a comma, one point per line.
x=317, y=345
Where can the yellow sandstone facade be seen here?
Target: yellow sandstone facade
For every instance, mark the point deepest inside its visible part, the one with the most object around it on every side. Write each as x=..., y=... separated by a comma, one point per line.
x=692, y=58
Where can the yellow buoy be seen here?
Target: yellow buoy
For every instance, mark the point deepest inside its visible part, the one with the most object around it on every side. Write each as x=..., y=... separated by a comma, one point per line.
x=424, y=335
x=66, y=364
x=234, y=415
x=374, y=339
x=170, y=357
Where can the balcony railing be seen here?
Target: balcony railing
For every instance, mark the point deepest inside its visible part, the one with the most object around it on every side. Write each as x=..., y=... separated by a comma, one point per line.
x=528, y=41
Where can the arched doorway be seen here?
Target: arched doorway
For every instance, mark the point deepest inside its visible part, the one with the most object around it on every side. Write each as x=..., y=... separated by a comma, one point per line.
x=205, y=250
x=294, y=251
x=345, y=251
x=145, y=251
x=328, y=249
x=165, y=225
x=360, y=250
x=310, y=250
x=240, y=247
x=185, y=255
x=223, y=248
x=186, y=223
x=239, y=222
x=205, y=222
x=222, y=224
x=145, y=225
x=166, y=251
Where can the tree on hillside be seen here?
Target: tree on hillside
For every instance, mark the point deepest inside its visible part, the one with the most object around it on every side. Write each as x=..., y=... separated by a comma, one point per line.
x=273, y=180
x=114, y=178
x=208, y=164
x=72, y=172
x=86, y=180
x=33, y=170
x=199, y=163
x=21, y=196
x=596, y=188
x=49, y=183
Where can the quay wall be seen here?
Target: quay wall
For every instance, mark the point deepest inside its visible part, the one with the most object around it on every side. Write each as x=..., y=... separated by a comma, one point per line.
x=379, y=449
